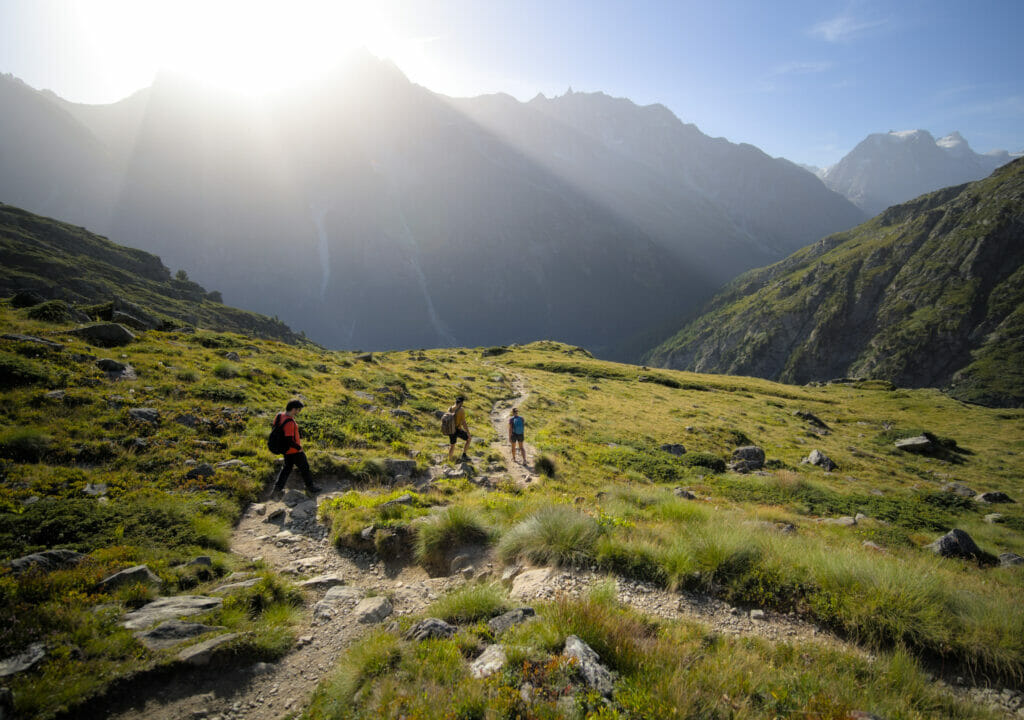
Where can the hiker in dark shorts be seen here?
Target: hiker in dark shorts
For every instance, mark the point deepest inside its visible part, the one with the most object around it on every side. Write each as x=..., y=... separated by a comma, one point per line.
x=517, y=433
x=461, y=430
x=294, y=457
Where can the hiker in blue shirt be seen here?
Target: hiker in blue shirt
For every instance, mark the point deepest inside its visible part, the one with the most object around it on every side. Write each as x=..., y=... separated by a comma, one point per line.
x=516, y=430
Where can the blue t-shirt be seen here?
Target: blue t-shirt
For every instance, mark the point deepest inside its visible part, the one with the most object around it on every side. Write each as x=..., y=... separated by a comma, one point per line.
x=518, y=424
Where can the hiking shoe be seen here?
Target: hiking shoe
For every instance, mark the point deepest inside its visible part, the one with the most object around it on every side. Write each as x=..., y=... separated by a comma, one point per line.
x=465, y=458
x=314, y=490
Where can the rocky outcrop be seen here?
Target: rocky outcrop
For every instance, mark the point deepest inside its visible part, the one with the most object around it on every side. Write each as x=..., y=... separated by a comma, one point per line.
x=104, y=334
x=597, y=676
x=430, y=628
x=46, y=561
x=170, y=608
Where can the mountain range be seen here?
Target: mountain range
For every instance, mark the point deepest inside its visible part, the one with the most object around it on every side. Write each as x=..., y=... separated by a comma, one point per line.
x=583, y=218
x=928, y=294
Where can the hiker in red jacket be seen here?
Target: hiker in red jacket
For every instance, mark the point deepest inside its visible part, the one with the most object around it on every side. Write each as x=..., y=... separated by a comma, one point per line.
x=293, y=455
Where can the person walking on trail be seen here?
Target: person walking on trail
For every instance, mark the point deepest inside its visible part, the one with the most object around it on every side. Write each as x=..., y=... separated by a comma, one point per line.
x=516, y=433
x=461, y=428
x=289, y=443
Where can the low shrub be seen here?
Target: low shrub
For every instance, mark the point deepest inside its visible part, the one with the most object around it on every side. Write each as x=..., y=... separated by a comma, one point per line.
x=225, y=370
x=221, y=393
x=554, y=535
x=446, y=531
x=53, y=311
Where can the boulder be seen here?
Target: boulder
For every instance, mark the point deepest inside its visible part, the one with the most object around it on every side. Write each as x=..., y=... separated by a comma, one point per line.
x=845, y=521
x=294, y=497
x=109, y=365
x=187, y=420
x=130, y=576
x=673, y=449
x=1009, y=559
x=404, y=414
x=684, y=493
x=32, y=339
x=232, y=356
x=168, y=608
x=596, y=675
x=104, y=334
x=19, y=663
x=146, y=415
x=993, y=497
x=820, y=459
x=813, y=419
x=171, y=633
x=322, y=582
x=406, y=499
x=95, y=489
x=501, y=623
x=46, y=561
x=994, y=518
x=338, y=598
x=531, y=583
x=751, y=456
x=203, y=470
x=918, y=444
x=304, y=511
x=956, y=543
x=398, y=466
x=200, y=561
x=201, y=654
x=372, y=610
x=430, y=628
x=958, y=488
x=491, y=660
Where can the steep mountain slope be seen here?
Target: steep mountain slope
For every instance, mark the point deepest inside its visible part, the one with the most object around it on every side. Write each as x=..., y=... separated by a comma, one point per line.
x=889, y=168
x=930, y=293
x=374, y=213
x=62, y=262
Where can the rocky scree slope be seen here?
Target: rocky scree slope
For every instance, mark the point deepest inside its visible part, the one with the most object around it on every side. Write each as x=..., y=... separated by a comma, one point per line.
x=928, y=294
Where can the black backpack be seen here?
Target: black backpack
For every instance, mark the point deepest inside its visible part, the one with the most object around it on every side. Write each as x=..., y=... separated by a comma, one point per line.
x=277, y=443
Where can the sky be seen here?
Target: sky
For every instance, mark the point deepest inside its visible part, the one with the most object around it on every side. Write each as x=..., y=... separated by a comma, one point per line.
x=805, y=80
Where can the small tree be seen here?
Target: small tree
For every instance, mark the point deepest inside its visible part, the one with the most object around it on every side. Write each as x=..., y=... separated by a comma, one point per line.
x=181, y=276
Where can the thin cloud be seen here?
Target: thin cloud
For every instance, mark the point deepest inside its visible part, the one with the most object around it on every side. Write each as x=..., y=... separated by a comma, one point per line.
x=844, y=27
x=800, y=68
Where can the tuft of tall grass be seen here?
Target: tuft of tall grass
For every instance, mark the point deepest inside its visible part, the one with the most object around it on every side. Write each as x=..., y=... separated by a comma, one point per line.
x=545, y=466
x=225, y=370
x=554, y=534
x=470, y=603
x=455, y=525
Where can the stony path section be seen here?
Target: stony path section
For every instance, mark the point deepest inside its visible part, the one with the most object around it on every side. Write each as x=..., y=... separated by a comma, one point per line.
x=500, y=413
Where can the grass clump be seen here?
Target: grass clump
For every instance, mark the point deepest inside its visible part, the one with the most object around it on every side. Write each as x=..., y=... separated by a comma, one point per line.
x=444, y=532
x=479, y=601
x=24, y=445
x=545, y=466
x=18, y=371
x=226, y=370
x=51, y=311
x=554, y=535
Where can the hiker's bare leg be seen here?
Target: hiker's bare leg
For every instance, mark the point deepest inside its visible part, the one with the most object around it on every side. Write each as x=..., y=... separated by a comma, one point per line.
x=469, y=439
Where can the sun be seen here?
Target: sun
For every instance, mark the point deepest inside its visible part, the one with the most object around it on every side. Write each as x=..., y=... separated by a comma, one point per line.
x=253, y=47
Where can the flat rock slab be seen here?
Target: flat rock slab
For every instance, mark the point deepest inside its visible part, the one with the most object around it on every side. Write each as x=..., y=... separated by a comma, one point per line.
x=993, y=497
x=322, y=582
x=958, y=488
x=490, y=661
x=130, y=576
x=104, y=334
x=372, y=610
x=18, y=663
x=47, y=560
x=168, y=608
x=201, y=653
x=501, y=623
x=146, y=415
x=597, y=675
x=337, y=599
x=531, y=583
x=1010, y=559
x=304, y=511
x=817, y=457
x=919, y=444
x=173, y=632
x=236, y=586
x=294, y=497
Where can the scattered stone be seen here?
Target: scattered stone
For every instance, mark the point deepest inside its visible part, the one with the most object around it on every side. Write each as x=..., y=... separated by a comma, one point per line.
x=232, y=356
x=501, y=623
x=146, y=415
x=47, y=560
x=1009, y=559
x=820, y=459
x=232, y=463
x=167, y=608
x=294, y=497
x=286, y=537
x=400, y=500
x=956, y=543
x=845, y=521
x=430, y=628
x=596, y=675
x=322, y=582
x=200, y=561
x=188, y=420
x=171, y=633
x=275, y=512
x=813, y=419
x=868, y=545
x=236, y=586
x=202, y=653
x=993, y=497
x=673, y=449
x=19, y=663
x=684, y=493
x=32, y=339
x=365, y=357
x=373, y=610
x=401, y=414
x=757, y=614
x=994, y=518
x=130, y=576
x=56, y=395
x=203, y=470
x=531, y=583
x=509, y=574
x=458, y=564
x=337, y=598
x=919, y=444
x=258, y=509
x=747, y=459
x=958, y=488
x=104, y=334
x=304, y=511
x=491, y=660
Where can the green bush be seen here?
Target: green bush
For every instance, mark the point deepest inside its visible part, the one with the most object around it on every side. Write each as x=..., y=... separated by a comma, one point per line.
x=51, y=311
x=225, y=370
x=24, y=445
x=17, y=371
x=554, y=535
x=705, y=460
x=545, y=466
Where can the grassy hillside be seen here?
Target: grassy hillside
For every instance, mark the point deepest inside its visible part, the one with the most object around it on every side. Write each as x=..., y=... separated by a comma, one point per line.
x=78, y=471
x=67, y=263
x=927, y=294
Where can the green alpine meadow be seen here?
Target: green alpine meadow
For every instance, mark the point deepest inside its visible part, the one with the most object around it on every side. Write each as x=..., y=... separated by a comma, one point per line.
x=677, y=544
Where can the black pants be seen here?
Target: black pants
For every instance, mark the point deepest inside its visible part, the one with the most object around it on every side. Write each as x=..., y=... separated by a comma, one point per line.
x=299, y=461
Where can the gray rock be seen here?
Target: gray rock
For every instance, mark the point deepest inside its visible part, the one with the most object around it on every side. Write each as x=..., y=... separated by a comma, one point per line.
x=232, y=356
x=201, y=653
x=993, y=497
x=757, y=614
x=109, y=365
x=400, y=500
x=751, y=455
x=684, y=493
x=1009, y=559
x=171, y=633
x=95, y=489
x=845, y=521
x=398, y=466
x=994, y=518
x=958, y=488
x=304, y=511
x=167, y=608
x=919, y=444
x=203, y=470
x=47, y=560
x=137, y=312
x=813, y=419
x=294, y=497
x=875, y=547
x=596, y=675
x=236, y=586
x=956, y=543
x=338, y=598
x=458, y=564
x=130, y=576
x=372, y=610
x=673, y=449
x=501, y=623
x=104, y=334
x=19, y=663
x=491, y=660
x=405, y=414
x=187, y=420
x=430, y=628
x=509, y=574
x=32, y=339
x=322, y=582
x=531, y=583
x=365, y=357
x=201, y=561
x=146, y=415
x=232, y=463
x=820, y=459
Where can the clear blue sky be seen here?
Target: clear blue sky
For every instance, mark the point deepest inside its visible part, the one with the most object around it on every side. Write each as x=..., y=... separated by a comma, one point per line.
x=800, y=79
